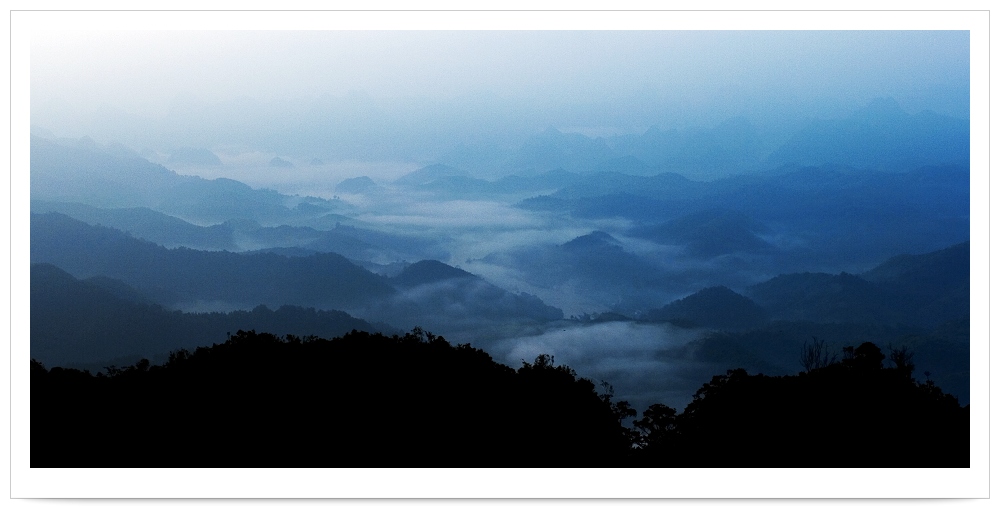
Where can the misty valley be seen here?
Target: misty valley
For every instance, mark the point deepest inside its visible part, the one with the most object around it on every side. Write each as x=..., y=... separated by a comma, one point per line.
x=689, y=297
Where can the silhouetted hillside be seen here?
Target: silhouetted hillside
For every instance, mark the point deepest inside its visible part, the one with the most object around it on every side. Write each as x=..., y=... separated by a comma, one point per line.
x=185, y=276
x=596, y=265
x=76, y=323
x=593, y=240
x=933, y=287
x=939, y=268
x=353, y=242
x=372, y=245
x=113, y=286
x=924, y=290
x=823, y=298
x=710, y=232
x=145, y=223
x=447, y=298
x=220, y=280
x=245, y=234
x=716, y=307
x=427, y=272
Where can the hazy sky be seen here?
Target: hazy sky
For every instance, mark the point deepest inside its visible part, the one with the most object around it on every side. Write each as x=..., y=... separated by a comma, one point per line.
x=718, y=73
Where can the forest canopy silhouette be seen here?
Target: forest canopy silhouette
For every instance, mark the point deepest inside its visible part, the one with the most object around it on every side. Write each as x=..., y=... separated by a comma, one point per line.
x=370, y=400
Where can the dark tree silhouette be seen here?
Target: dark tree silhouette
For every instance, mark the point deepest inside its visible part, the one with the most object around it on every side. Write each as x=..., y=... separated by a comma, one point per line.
x=656, y=429
x=816, y=355
x=369, y=400
x=743, y=420
x=359, y=400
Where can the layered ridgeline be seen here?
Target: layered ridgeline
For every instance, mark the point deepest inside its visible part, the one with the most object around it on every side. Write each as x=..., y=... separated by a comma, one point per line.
x=669, y=278
x=917, y=301
x=345, y=236
x=920, y=302
x=104, y=177
x=924, y=290
x=683, y=235
x=101, y=321
x=366, y=400
x=186, y=277
x=129, y=281
x=733, y=231
x=879, y=135
x=833, y=215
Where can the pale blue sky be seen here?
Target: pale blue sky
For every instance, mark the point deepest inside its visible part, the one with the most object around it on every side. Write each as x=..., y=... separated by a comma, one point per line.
x=414, y=95
x=142, y=71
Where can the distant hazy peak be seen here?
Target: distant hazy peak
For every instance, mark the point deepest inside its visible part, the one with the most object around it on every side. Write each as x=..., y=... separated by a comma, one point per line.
x=356, y=185
x=429, y=174
x=429, y=271
x=881, y=107
x=936, y=264
x=278, y=162
x=593, y=239
x=194, y=156
x=42, y=132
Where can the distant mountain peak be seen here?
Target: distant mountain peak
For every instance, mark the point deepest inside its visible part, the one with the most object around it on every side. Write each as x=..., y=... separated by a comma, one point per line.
x=717, y=307
x=880, y=135
x=595, y=238
x=429, y=271
x=194, y=156
x=430, y=173
x=356, y=185
x=881, y=109
x=278, y=162
x=885, y=104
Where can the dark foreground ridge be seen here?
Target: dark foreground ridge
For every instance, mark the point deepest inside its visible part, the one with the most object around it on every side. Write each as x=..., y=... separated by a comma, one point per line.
x=368, y=400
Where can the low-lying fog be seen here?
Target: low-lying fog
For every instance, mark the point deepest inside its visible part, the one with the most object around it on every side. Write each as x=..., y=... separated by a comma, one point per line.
x=645, y=364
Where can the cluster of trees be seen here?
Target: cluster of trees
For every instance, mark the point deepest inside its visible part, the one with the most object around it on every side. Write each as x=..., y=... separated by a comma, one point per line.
x=852, y=412
x=369, y=400
x=362, y=400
